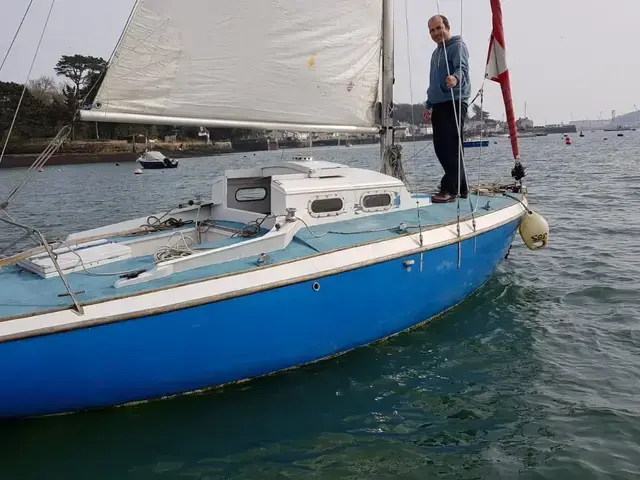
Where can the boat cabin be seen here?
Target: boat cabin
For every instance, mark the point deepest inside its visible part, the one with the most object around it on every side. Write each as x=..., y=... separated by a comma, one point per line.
x=317, y=191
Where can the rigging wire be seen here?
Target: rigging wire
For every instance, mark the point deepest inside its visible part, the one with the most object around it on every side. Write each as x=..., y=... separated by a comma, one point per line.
x=15, y=35
x=461, y=164
x=413, y=120
x=24, y=88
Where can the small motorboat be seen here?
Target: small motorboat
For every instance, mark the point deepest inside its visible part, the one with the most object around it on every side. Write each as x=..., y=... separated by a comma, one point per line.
x=475, y=143
x=154, y=160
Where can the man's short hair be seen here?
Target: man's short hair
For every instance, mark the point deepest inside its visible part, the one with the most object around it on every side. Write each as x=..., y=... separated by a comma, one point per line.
x=445, y=20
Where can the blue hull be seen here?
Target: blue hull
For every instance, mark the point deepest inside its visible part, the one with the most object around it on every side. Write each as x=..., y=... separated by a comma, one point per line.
x=476, y=143
x=242, y=337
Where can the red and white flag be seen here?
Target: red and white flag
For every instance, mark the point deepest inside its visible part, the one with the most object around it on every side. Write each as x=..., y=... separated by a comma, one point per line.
x=498, y=71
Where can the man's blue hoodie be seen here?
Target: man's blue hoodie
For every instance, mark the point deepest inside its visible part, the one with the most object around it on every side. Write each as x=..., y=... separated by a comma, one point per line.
x=458, y=57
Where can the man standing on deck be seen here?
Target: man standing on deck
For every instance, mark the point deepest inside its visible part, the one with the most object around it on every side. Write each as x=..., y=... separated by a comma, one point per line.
x=449, y=74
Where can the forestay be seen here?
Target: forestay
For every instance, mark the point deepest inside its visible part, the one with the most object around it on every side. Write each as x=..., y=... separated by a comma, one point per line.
x=278, y=62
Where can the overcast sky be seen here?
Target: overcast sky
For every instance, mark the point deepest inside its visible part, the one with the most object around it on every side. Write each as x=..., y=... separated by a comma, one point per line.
x=569, y=59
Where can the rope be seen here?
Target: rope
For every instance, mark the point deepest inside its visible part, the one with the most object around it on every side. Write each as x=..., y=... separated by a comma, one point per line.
x=169, y=252
x=460, y=145
x=16, y=35
x=413, y=120
x=154, y=224
x=460, y=150
x=39, y=162
x=455, y=113
x=415, y=155
x=252, y=228
x=480, y=156
x=461, y=164
x=24, y=88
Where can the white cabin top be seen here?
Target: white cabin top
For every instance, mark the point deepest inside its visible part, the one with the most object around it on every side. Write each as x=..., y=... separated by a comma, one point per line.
x=331, y=177
x=320, y=191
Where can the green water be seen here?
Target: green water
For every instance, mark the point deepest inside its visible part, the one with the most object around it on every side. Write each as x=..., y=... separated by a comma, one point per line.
x=535, y=376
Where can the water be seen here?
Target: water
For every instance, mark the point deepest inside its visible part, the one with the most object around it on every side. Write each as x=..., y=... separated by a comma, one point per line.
x=535, y=376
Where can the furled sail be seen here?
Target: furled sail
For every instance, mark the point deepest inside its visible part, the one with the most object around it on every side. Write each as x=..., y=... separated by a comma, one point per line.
x=268, y=63
x=498, y=71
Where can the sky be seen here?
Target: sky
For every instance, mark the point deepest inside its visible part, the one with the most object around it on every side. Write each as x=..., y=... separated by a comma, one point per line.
x=568, y=59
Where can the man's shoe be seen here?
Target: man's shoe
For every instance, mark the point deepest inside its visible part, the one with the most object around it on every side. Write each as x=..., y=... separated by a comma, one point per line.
x=443, y=197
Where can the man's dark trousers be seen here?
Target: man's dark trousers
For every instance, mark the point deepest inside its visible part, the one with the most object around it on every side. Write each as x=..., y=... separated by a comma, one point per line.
x=446, y=144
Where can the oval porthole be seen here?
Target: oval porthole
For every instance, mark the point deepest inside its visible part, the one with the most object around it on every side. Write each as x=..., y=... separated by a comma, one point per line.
x=315, y=286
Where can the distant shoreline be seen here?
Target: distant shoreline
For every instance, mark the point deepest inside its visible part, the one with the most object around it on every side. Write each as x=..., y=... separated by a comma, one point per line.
x=23, y=156
x=121, y=151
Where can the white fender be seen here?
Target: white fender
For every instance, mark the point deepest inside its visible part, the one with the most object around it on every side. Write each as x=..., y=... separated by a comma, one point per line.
x=534, y=230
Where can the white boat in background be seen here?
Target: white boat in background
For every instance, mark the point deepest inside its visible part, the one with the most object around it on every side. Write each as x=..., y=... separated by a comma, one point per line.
x=153, y=159
x=618, y=128
x=285, y=264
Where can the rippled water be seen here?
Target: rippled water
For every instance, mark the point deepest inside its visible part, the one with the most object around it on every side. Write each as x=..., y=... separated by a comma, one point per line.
x=535, y=376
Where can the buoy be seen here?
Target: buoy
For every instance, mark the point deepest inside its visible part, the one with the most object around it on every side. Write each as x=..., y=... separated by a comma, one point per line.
x=41, y=169
x=534, y=230
x=567, y=141
x=137, y=171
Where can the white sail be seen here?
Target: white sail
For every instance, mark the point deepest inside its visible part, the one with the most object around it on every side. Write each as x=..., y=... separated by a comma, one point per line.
x=270, y=62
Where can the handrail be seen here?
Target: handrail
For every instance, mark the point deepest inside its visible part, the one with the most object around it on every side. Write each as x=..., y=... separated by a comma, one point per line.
x=38, y=236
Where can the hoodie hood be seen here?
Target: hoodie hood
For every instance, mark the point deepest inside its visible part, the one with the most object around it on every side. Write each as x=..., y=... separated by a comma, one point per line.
x=452, y=41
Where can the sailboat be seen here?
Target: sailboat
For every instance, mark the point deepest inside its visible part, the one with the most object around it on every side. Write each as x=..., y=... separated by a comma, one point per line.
x=286, y=264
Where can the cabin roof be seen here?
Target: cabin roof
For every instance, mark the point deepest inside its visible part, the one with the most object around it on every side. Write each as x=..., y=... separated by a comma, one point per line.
x=328, y=176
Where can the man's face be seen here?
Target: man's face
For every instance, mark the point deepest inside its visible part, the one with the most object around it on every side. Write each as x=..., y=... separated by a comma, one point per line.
x=437, y=30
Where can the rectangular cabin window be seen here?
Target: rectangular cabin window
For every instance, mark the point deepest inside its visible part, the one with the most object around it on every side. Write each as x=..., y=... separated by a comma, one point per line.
x=251, y=194
x=376, y=200
x=326, y=205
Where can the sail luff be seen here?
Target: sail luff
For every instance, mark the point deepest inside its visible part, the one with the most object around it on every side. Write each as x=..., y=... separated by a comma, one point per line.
x=498, y=71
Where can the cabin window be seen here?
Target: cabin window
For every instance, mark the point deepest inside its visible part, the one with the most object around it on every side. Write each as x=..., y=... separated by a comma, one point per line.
x=376, y=200
x=326, y=205
x=253, y=194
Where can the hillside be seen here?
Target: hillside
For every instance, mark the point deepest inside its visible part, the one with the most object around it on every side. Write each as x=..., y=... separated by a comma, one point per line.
x=628, y=118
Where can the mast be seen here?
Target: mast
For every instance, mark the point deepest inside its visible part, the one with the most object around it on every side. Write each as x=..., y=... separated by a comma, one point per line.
x=390, y=156
x=386, y=137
